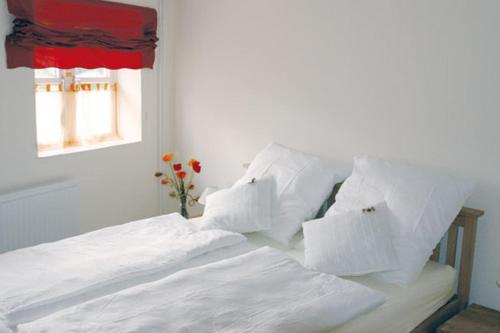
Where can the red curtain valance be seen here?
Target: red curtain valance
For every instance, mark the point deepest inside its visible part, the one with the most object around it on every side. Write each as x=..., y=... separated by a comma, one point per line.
x=81, y=33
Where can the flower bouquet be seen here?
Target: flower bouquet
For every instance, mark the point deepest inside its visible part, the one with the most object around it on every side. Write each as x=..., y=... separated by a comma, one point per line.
x=180, y=181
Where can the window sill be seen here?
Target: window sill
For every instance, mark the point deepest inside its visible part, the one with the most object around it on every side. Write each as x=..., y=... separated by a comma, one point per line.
x=79, y=149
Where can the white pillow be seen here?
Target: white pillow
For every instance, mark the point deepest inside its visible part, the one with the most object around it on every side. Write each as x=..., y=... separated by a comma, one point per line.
x=424, y=203
x=303, y=182
x=242, y=208
x=355, y=243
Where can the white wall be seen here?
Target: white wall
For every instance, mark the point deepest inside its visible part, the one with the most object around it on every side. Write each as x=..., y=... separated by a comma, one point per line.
x=117, y=184
x=415, y=80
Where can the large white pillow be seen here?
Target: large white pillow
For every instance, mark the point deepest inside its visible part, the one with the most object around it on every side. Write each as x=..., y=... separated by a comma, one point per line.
x=303, y=182
x=242, y=208
x=424, y=203
x=355, y=243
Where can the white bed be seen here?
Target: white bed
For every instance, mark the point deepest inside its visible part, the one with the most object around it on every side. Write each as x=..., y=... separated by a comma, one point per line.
x=404, y=309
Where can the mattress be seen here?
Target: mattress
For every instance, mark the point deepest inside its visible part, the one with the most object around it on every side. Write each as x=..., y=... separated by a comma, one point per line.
x=404, y=308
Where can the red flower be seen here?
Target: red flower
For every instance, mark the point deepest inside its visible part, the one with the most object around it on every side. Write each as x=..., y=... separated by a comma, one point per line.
x=181, y=174
x=178, y=167
x=196, y=166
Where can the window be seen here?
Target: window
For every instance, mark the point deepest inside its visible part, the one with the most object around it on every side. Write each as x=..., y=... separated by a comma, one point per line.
x=81, y=109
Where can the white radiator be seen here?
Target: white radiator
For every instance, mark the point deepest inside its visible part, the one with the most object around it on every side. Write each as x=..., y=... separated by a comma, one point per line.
x=39, y=215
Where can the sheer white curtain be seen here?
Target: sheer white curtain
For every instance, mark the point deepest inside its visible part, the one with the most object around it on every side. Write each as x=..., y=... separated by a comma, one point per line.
x=95, y=115
x=49, y=109
x=76, y=116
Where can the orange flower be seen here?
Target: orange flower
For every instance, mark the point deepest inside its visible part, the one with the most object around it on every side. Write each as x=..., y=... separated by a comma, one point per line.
x=168, y=157
x=164, y=181
x=178, y=167
x=181, y=174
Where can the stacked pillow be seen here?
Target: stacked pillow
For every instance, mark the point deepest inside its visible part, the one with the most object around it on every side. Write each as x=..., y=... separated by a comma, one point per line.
x=386, y=220
x=423, y=203
x=303, y=182
x=300, y=184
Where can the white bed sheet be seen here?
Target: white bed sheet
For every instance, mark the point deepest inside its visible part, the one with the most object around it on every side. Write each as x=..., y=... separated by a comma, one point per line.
x=222, y=297
x=404, y=308
x=40, y=280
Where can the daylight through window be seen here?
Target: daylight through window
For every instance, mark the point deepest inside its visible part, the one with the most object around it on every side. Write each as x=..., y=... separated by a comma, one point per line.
x=80, y=109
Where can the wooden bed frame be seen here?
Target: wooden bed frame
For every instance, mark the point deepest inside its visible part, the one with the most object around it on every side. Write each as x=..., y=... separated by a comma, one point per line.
x=466, y=219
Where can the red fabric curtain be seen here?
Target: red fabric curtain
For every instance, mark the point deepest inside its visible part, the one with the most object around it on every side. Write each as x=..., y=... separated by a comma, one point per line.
x=81, y=33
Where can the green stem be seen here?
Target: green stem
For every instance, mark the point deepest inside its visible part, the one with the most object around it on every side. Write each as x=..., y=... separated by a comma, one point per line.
x=183, y=198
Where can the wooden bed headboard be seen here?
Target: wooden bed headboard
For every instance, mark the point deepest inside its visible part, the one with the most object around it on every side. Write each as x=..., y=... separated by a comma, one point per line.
x=466, y=219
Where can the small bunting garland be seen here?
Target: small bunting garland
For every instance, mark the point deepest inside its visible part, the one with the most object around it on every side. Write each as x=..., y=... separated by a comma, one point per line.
x=76, y=87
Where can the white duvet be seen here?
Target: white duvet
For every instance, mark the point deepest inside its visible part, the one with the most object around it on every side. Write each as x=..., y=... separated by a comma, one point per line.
x=39, y=280
x=261, y=291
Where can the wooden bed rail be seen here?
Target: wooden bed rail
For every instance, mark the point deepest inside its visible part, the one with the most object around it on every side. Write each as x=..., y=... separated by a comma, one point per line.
x=466, y=219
